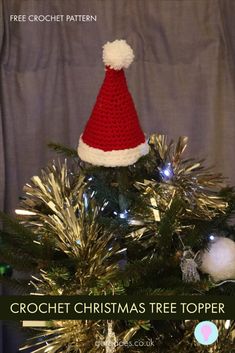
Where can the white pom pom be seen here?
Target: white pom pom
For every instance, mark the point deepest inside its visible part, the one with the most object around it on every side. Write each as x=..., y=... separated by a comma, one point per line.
x=219, y=260
x=117, y=54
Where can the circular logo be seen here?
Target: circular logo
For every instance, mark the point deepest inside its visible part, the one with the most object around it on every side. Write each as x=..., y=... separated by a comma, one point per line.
x=206, y=333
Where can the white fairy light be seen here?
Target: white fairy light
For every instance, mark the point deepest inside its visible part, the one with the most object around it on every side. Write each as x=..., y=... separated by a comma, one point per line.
x=167, y=172
x=123, y=215
x=135, y=222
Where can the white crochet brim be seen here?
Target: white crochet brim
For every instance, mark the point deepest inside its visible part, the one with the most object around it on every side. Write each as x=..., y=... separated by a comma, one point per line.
x=120, y=158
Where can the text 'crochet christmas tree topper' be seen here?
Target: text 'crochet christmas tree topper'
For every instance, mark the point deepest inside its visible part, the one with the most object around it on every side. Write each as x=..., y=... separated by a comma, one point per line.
x=113, y=136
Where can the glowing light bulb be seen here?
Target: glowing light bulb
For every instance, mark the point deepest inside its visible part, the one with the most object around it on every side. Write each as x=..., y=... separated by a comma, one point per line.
x=124, y=214
x=135, y=222
x=167, y=172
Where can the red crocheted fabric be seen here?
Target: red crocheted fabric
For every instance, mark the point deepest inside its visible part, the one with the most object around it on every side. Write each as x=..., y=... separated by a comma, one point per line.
x=113, y=124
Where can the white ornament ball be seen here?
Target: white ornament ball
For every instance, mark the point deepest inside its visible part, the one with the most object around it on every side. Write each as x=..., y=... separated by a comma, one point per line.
x=219, y=260
x=117, y=54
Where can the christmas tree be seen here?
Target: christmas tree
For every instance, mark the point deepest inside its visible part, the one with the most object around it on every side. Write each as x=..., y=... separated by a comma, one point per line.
x=123, y=215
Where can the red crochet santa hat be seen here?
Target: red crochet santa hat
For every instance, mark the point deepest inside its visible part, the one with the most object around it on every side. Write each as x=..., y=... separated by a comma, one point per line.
x=113, y=136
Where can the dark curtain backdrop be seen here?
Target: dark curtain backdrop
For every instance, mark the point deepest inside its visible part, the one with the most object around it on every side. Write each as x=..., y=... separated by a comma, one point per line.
x=182, y=81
